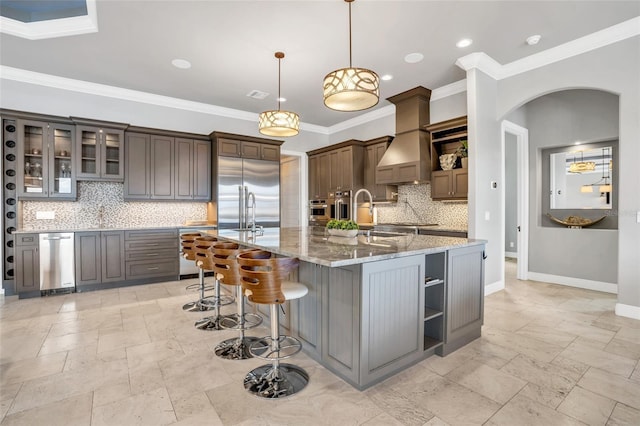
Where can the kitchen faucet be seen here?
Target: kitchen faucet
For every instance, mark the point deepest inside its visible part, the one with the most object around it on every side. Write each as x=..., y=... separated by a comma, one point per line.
x=252, y=197
x=354, y=207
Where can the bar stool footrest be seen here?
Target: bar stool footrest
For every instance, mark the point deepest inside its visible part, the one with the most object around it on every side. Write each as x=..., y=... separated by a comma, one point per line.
x=264, y=349
x=279, y=382
x=236, y=348
x=232, y=322
x=209, y=323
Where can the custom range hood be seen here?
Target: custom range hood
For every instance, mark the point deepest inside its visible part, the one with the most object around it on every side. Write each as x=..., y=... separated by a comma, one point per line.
x=407, y=159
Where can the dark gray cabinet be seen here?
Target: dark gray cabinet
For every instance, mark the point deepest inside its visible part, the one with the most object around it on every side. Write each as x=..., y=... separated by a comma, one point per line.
x=192, y=170
x=46, y=167
x=338, y=167
x=99, y=257
x=149, y=167
x=246, y=147
x=374, y=150
x=27, y=265
x=151, y=254
x=100, y=152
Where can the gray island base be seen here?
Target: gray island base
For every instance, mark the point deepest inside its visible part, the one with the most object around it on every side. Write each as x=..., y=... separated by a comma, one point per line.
x=377, y=304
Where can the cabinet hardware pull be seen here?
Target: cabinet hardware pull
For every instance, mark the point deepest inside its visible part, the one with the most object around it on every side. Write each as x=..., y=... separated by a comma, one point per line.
x=152, y=254
x=153, y=269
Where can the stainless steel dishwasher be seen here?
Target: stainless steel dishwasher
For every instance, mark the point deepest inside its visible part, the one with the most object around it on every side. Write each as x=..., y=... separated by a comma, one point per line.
x=57, y=268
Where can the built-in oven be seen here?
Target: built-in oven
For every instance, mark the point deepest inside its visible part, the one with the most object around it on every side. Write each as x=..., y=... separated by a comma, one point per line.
x=318, y=212
x=340, y=205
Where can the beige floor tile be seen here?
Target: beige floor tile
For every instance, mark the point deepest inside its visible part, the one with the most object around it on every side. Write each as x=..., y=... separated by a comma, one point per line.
x=153, y=352
x=20, y=347
x=207, y=417
x=494, y=384
x=536, y=349
x=194, y=373
x=153, y=408
x=112, y=392
x=383, y=420
x=623, y=415
x=69, y=412
x=9, y=391
x=624, y=348
x=191, y=405
x=547, y=334
x=68, y=342
x=145, y=378
x=630, y=334
x=398, y=405
x=612, y=386
x=575, y=369
x=543, y=374
x=522, y=411
x=122, y=339
x=489, y=354
x=506, y=320
x=28, y=369
x=636, y=373
x=543, y=395
x=436, y=421
x=587, y=406
x=598, y=358
x=443, y=365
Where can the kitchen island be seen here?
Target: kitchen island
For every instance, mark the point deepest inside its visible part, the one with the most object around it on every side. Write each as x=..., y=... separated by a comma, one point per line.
x=377, y=303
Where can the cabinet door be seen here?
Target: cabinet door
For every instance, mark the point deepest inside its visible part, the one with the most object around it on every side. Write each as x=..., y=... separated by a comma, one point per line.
x=306, y=313
x=112, y=161
x=61, y=168
x=136, y=182
x=184, y=169
x=324, y=171
x=345, y=168
x=465, y=296
x=250, y=150
x=112, y=261
x=313, y=177
x=335, y=174
x=269, y=152
x=27, y=264
x=201, y=171
x=229, y=147
x=32, y=160
x=440, y=184
x=162, y=167
x=88, y=152
x=87, y=258
x=460, y=181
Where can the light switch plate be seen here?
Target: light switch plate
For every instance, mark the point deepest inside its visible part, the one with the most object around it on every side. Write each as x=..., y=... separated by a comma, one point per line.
x=46, y=215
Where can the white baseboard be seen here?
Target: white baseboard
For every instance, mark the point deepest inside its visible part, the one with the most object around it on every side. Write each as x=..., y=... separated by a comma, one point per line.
x=628, y=311
x=1, y=291
x=493, y=288
x=512, y=254
x=574, y=282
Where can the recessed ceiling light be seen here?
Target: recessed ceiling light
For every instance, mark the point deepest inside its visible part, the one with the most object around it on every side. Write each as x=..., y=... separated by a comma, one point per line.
x=464, y=42
x=386, y=77
x=281, y=99
x=257, y=94
x=181, y=63
x=413, y=58
x=534, y=39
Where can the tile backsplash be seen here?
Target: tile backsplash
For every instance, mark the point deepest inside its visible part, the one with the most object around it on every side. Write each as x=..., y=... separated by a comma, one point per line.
x=415, y=205
x=108, y=197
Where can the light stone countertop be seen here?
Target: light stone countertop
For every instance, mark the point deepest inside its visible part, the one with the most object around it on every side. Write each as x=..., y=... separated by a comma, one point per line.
x=313, y=244
x=124, y=227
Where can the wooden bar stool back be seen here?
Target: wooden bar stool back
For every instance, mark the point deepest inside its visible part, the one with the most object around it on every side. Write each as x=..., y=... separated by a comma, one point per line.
x=265, y=281
x=225, y=265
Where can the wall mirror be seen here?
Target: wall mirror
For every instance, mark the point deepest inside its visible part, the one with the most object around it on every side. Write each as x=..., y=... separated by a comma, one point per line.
x=581, y=178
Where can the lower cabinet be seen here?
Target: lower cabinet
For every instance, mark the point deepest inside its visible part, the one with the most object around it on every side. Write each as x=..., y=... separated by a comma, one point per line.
x=151, y=254
x=449, y=184
x=27, y=265
x=99, y=258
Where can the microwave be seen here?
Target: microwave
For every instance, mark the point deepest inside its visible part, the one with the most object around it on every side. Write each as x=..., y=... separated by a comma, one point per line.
x=318, y=212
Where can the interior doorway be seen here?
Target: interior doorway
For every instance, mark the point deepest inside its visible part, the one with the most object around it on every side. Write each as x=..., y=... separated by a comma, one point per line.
x=513, y=133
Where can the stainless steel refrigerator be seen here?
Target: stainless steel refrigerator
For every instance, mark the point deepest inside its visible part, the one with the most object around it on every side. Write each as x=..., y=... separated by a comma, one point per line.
x=238, y=177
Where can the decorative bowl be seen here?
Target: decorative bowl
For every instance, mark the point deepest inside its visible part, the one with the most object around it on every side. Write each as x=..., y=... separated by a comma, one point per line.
x=348, y=233
x=448, y=161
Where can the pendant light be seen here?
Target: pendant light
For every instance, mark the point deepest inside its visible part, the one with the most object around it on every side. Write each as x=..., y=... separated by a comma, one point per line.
x=351, y=89
x=279, y=123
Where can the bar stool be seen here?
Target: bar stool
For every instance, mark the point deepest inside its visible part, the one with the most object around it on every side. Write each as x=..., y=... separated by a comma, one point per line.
x=186, y=242
x=226, y=265
x=264, y=282
x=201, y=245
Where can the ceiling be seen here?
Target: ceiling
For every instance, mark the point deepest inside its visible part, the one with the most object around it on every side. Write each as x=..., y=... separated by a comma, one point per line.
x=231, y=45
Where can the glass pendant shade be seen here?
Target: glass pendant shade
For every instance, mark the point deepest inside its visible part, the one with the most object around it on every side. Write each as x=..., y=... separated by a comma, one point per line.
x=586, y=188
x=279, y=123
x=605, y=188
x=351, y=89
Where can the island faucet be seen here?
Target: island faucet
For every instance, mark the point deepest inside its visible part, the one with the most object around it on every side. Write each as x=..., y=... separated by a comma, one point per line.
x=354, y=207
x=252, y=197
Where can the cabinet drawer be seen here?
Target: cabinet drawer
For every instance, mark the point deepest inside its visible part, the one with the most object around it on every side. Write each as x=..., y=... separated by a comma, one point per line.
x=152, y=245
x=27, y=240
x=151, y=234
x=138, y=269
x=155, y=255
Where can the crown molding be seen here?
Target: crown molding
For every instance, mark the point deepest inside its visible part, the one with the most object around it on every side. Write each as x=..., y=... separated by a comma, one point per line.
x=605, y=37
x=53, y=28
x=449, y=90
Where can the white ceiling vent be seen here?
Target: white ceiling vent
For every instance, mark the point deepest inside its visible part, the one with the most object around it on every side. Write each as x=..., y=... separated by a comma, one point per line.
x=257, y=94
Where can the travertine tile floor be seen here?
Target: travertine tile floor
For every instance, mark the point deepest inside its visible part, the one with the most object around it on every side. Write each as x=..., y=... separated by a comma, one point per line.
x=549, y=355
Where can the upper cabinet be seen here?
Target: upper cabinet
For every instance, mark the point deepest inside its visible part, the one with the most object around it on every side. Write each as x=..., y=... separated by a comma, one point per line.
x=374, y=150
x=45, y=160
x=166, y=167
x=100, y=150
x=230, y=145
x=338, y=167
x=449, y=139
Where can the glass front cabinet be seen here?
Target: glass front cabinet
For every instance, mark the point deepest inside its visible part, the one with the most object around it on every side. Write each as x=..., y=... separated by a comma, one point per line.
x=46, y=167
x=100, y=153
